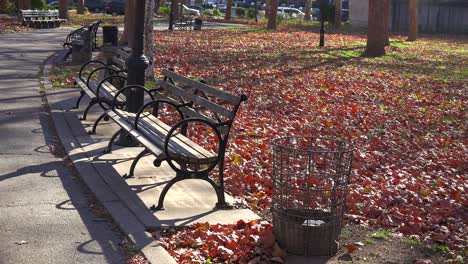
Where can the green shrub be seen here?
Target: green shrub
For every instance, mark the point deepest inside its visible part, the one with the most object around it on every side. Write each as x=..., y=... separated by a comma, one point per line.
x=240, y=12
x=165, y=11
x=38, y=4
x=7, y=6
x=216, y=12
x=251, y=13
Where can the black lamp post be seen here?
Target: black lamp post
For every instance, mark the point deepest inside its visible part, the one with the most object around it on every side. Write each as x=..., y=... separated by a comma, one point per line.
x=323, y=17
x=137, y=62
x=136, y=65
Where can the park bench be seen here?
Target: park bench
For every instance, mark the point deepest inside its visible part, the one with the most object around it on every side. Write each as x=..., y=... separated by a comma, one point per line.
x=195, y=143
x=101, y=83
x=41, y=18
x=185, y=22
x=85, y=36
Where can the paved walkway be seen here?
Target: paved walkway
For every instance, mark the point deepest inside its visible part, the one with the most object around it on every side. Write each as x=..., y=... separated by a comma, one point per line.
x=44, y=212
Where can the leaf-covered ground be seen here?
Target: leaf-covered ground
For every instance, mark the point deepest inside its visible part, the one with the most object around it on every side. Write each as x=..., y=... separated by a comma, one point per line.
x=405, y=113
x=10, y=24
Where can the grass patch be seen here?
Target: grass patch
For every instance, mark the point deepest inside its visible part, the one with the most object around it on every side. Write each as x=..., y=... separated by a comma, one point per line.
x=348, y=53
x=399, y=44
x=411, y=242
x=247, y=29
x=441, y=248
x=369, y=241
x=382, y=234
x=345, y=234
x=63, y=76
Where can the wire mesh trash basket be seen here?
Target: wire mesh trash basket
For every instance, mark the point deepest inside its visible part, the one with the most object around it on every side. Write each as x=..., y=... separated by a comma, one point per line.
x=310, y=177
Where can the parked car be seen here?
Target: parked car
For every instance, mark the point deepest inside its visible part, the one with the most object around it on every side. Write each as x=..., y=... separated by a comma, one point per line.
x=95, y=5
x=190, y=11
x=344, y=15
x=199, y=8
x=115, y=7
x=292, y=12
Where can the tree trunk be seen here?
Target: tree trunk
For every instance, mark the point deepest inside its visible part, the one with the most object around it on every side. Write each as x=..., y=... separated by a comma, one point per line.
x=267, y=8
x=80, y=7
x=337, y=22
x=387, y=22
x=272, y=15
x=149, y=37
x=24, y=4
x=413, y=20
x=129, y=21
x=308, y=6
x=63, y=9
x=228, y=10
x=376, y=29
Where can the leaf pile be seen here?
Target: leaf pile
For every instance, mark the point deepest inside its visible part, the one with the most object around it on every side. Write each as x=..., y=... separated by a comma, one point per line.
x=405, y=113
x=205, y=243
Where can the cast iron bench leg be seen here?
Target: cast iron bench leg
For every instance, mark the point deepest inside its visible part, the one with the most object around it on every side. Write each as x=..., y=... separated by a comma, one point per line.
x=131, y=173
x=85, y=113
x=111, y=141
x=96, y=123
x=82, y=93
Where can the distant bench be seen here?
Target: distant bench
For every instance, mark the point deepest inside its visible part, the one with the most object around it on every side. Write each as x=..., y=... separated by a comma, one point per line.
x=41, y=18
x=85, y=36
x=185, y=22
x=194, y=143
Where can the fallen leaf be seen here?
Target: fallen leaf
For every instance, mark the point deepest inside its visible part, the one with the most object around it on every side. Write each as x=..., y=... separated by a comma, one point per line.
x=21, y=242
x=350, y=248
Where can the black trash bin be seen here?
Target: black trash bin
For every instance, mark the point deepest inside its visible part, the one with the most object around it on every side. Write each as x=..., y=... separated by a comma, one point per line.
x=310, y=177
x=198, y=24
x=110, y=34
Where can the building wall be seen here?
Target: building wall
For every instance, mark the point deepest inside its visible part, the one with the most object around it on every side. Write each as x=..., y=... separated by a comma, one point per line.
x=442, y=16
x=358, y=11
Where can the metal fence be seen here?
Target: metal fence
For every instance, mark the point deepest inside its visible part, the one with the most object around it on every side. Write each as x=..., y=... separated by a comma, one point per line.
x=435, y=16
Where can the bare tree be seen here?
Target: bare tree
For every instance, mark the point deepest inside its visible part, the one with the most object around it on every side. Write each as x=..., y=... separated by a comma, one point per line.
x=80, y=7
x=24, y=4
x=376, y=29
x=337, y=22
x=129, y=21
x=272, y=15
x=308, y=6
x=63, y=9
x=413, y=20
x=228, y=10
x=387, y=21
x=149, y=36
x=267, y=8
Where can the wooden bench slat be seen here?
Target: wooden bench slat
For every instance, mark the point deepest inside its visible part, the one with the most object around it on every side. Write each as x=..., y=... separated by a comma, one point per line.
x=135, y=134
x=180, y=147
x=202, y=87
x=196, y=99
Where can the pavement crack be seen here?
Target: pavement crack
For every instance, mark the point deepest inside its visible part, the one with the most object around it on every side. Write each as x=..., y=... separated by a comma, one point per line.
x=17, y=154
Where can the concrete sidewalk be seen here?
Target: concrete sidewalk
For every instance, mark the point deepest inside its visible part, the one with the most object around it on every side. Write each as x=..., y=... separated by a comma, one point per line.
x=45, y=213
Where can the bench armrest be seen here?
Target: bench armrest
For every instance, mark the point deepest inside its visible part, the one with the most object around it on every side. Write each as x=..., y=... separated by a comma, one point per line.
x=130, y=87
x=157, y=102
x=183, y=123
x=85, y=65
x=98, y=90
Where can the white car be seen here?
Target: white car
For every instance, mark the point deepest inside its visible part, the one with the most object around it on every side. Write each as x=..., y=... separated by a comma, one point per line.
x=290, y=11
x=190, y=11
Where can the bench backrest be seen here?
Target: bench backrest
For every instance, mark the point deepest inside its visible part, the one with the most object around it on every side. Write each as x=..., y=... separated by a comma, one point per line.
x=93, y=28
x=39, y=14
x=203, y=101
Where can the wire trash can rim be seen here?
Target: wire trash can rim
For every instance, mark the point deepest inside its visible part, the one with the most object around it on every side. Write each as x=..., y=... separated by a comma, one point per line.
x=347, y=147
